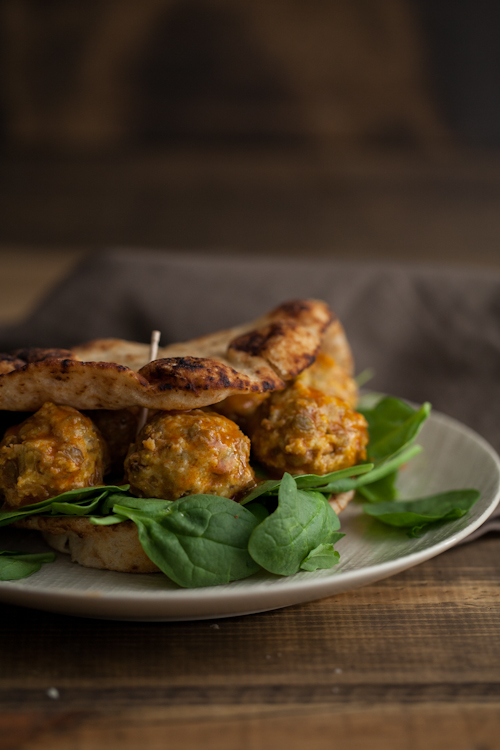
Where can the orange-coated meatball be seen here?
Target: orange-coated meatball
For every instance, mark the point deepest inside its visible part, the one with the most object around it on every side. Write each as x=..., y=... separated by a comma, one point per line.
x=303, y=431
x=187, y=453
x=55, y=450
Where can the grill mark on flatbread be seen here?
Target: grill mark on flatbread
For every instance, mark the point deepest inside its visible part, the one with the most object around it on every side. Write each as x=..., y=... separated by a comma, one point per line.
x=35, y=354
x=19, y=358
x=287, y=339
x=113, y=374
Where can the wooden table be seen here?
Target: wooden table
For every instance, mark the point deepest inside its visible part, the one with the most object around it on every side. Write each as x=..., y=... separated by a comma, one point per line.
x=412, y=661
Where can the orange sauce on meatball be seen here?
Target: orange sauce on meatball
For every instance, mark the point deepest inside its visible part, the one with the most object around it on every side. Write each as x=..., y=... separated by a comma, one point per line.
x=303, y=431
x=187, y=453
x=55, y=450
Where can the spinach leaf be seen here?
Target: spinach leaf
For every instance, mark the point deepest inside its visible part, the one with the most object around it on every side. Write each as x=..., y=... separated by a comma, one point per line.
x=106, y=520
x=10, y=516
x=263, y=488
x=302, y=521
x=418, y=514
x=310, y=481
x=386, y=415
x=15, y=565
x=146, y=505
x=307, y=481
x=80, y=494
x=69, y=503
x=74, y=509
x=258, y=510
x=383, y=489
x=381, y=470
x=201, y=540
x=322, y=557
x=392, y=426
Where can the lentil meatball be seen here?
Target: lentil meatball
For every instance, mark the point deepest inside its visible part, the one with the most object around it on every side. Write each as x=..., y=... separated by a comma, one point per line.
x=55, y=450
x=187, y=453
x=303, y=431
x=324, y=375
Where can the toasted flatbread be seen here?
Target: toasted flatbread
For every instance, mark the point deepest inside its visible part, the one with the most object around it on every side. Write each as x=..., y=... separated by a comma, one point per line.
x=115, y=547
x=257, y=357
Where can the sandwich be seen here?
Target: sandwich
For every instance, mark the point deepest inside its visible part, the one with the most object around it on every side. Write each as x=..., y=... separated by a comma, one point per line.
x=277, y=392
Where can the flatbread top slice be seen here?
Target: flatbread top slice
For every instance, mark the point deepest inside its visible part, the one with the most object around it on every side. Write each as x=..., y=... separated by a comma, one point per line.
x=112, y=374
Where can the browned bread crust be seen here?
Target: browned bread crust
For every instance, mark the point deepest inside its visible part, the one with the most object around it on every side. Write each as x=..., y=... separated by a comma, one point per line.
x=113, y=374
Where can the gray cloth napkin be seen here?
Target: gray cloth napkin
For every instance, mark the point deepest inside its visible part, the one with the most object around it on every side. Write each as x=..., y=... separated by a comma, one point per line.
x=430, y=333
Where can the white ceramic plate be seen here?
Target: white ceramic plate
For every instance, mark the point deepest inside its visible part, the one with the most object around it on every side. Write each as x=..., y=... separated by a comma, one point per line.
x=454, y=457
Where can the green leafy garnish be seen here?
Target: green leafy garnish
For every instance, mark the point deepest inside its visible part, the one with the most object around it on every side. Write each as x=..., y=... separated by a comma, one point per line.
x=80, y=502
x=393, y=425
x=263, y=488
x=381, y=470
x=322, y=557
x=259, y=511
x=307, y=481
x=15, y=565
x=303, y=521
x=383, y=489
x=417, y=515
x=106, y=520
x=76, y=509
x=201, y=540
x=315, y=481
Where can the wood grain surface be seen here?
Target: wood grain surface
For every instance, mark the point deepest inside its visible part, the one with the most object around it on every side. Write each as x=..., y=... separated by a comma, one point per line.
x=412, y=661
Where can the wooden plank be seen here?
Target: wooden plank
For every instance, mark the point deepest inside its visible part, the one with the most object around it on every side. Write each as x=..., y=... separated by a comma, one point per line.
x=418, y=727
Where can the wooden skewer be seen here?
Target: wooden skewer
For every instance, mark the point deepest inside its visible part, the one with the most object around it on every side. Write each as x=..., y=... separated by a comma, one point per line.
x=153, y=354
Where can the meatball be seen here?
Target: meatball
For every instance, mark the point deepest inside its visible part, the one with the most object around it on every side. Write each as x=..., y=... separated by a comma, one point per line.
x=187, y=453
x=327, y=376
x=118, y=428
x=324, y=375
x=55, y=450
x=304, y=431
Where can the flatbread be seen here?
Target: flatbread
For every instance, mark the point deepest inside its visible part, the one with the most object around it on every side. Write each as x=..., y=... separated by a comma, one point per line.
x=257, y=357
x=114, y=547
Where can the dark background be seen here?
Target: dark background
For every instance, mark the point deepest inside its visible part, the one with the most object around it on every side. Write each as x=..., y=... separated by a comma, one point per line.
x=354, y=128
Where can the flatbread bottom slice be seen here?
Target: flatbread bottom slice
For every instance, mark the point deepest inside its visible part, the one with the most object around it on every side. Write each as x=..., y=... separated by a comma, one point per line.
x=115, y=547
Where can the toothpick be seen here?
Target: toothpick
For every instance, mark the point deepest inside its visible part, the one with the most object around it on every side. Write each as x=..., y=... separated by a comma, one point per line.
x=153, y=354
